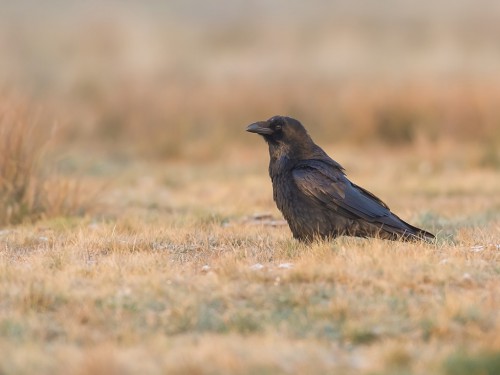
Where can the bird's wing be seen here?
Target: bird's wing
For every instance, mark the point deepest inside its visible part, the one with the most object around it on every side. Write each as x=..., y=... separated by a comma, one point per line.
x=329, y=186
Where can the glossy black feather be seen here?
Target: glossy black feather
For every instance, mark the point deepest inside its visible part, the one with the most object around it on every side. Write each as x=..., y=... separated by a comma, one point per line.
x=314, y=194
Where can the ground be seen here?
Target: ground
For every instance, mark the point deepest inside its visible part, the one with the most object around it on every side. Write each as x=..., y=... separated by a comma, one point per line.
x=188, y=268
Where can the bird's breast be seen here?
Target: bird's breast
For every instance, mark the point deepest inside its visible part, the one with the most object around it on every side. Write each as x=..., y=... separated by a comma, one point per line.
x=289, y=199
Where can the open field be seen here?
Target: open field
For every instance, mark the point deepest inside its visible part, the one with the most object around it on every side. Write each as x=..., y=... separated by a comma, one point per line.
x=138, y=234
x=172, y=274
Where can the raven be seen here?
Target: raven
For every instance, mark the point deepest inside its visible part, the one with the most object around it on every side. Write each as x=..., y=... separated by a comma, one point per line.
x=314, y=194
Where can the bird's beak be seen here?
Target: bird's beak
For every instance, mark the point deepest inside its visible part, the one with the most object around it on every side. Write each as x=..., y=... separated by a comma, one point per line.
x=261, y=127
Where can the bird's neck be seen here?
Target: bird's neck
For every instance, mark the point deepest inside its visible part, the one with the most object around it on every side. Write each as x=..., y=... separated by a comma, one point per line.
x=278, y=150
x=279, y=165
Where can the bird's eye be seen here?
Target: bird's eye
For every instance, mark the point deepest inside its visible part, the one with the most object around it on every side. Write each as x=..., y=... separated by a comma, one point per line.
x=277, y=123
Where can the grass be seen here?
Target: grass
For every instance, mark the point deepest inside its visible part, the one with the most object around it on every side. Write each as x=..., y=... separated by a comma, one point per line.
x=482, y=363
x=163, y=279
x=431, y=113
x=29, y=188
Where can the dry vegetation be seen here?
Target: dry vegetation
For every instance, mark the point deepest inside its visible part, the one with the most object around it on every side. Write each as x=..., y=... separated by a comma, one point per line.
x=139, y=235
x=175, y=276
x=29, y=188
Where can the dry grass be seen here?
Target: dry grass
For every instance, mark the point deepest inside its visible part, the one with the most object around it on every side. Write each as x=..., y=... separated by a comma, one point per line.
x=166, y=281
x=164, y=124
x=162, y=81
x=29, y=188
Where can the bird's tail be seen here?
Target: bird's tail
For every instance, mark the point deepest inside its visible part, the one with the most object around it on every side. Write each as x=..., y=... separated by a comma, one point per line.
x=404, y=231
x=408, y=232
x=417, y=234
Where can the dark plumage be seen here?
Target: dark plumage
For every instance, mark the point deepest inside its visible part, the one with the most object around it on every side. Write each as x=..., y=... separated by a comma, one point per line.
x=314, y=194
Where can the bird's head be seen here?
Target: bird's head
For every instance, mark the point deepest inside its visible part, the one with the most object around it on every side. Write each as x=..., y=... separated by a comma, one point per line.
x=279, y=129
x=284, y=135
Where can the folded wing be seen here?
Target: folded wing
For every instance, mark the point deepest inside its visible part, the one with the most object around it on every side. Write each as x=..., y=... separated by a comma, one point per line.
x=327, y=185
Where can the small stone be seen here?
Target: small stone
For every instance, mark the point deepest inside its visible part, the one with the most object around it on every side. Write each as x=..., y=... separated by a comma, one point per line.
x=256, y=267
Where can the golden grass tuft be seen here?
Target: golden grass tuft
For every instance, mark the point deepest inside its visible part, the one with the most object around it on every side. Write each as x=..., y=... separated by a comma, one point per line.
x=29, y=187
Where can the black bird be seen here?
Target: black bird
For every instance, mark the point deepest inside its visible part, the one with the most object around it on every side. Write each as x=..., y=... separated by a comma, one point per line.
x=314, y=194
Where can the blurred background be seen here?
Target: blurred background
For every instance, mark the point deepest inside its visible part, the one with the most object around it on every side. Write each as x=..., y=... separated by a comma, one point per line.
x=181, y=79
